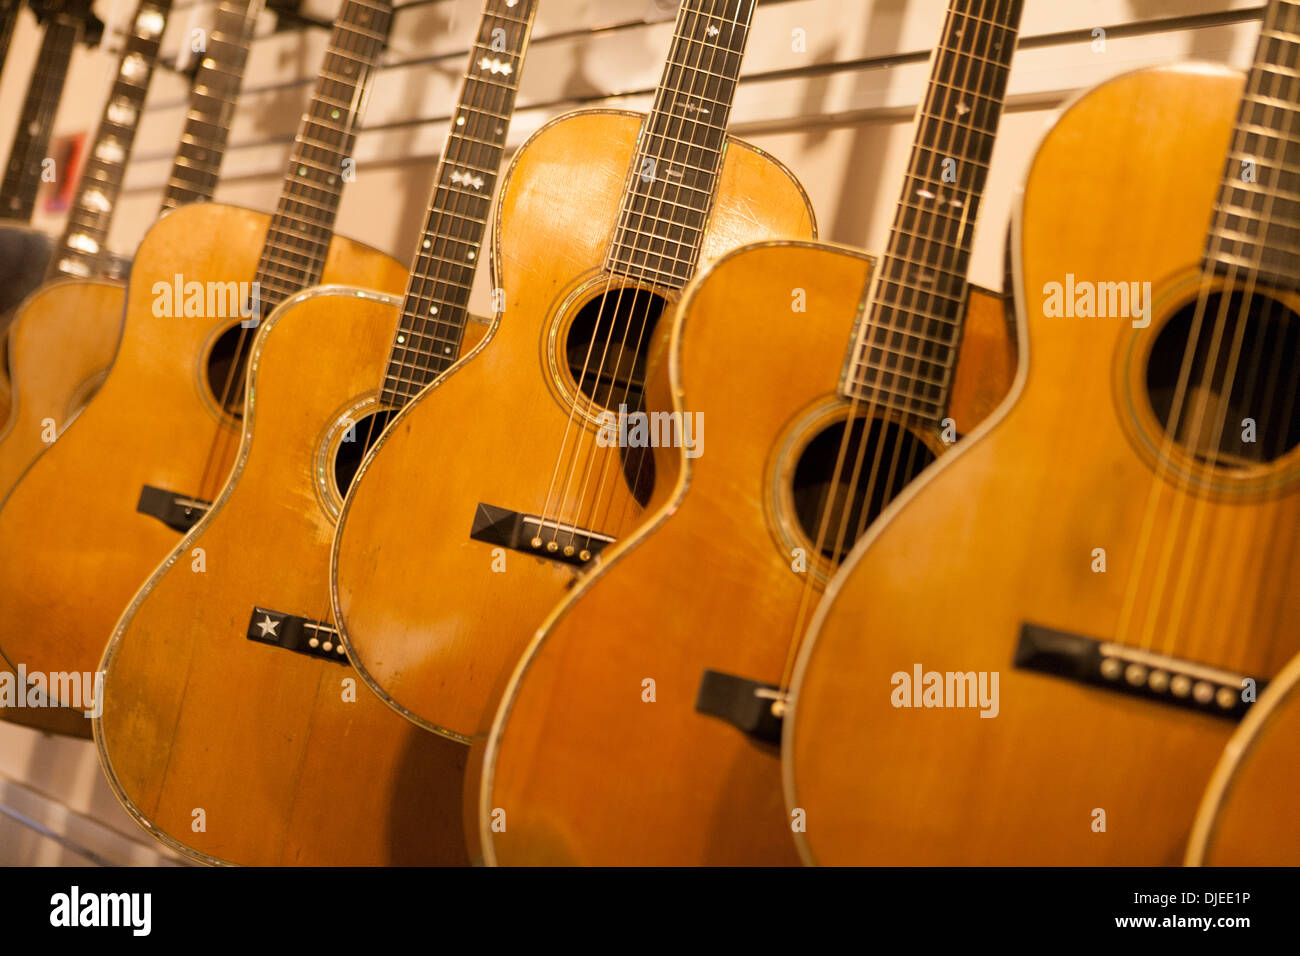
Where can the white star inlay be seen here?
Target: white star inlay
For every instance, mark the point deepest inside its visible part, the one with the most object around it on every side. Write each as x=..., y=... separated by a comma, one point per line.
x=268, y=626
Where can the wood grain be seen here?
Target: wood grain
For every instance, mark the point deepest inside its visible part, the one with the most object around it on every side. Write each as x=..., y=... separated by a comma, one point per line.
x=1248, y=813
x=576, y=754
x=1003, y=532
x=430, y=623
x=73, y=549
x=329, y=774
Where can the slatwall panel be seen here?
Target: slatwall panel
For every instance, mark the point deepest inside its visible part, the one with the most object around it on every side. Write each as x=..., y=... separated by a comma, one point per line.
x=838, y=112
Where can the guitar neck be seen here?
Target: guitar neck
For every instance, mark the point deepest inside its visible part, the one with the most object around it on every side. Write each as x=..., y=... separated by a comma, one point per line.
x=903, y=357
x=675, y=172
x=1256, y=227
x=9, y=10
x=435, y=309
x=212, y=104
x=298, y=239
x=81, y=250
x=22, y=177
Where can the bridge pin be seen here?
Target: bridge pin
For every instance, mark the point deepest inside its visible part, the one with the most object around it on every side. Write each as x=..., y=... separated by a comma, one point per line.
x=1136, y=674
x=536, y=542
x=1203, y=692
x=1158, y=681
x=584, y=555
x=327, y=646
x=1225, y=698
x=1110, y=668
x=1181, y=686
x=552, y=547
x=313, y=642
x=568, y=550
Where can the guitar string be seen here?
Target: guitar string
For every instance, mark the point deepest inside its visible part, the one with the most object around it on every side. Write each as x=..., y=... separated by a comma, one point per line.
x=871, y=408
x=690, y=12
x=711, y=74
x=680, y=99
x=950, y=264
x=1200, y=505
x=443, y=214
x=946, y=89
x=346, y=44
x=424, y=283
x=1164, y=472
x=1282, y=166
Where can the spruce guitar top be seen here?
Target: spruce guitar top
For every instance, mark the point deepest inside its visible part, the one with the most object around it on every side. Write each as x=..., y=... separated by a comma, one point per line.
x=1111, y=557
x=317, y=397
x=808, y=375
x=485, y=498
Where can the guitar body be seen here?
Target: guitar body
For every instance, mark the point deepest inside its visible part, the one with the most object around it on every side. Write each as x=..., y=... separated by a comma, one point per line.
x=61, y=343
x=1005, y=532
x=706, y=583
x=59, y=346
x=427, y=620
x=1248, y=814
x=328, y=775
x=73, y=547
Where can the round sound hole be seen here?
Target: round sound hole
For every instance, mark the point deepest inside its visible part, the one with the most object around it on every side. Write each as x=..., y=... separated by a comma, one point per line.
x=226, y=368
x=1260, y=420
x=352, y=448
x=891, y=455
x=607, y=344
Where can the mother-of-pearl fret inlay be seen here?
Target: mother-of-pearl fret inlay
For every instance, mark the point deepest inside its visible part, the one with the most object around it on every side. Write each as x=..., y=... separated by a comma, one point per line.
x=674, y=175
x=1256, y=226
x=434, y=312
x=82, y=246
x=905, y=348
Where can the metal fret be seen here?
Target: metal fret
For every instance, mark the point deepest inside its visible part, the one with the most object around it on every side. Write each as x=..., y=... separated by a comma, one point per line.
x=1256, y=226
x=916, y=325
x=81, y=246
x=313, y=183
x=22, y=175
x=435, y=307
x=212, y=103
x=700, y=70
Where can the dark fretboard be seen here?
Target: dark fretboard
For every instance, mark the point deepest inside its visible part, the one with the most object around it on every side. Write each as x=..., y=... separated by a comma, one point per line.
x=675, y=171
x=1256, y=226
x=428, y=339
x=212, y=104
x=298, y=239
x=80, y=252
x=9, y=10
x=903, y=356
x=31, y=145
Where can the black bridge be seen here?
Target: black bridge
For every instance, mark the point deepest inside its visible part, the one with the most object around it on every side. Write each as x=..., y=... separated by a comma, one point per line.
x=176, y=511
x=756, y=709
x=1132, y=671
x=313, y=638
x=533, y=535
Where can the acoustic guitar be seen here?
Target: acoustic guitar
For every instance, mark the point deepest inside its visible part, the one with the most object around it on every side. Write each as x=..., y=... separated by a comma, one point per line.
x=328, y=367
x=670, y=654
x=1038, y=654
x=1248, y=813
x=62, y=340
x=97, y=511
x=485, y=499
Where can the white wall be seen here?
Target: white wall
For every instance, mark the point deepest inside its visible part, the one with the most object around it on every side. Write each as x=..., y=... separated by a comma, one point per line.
x=839, y=115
